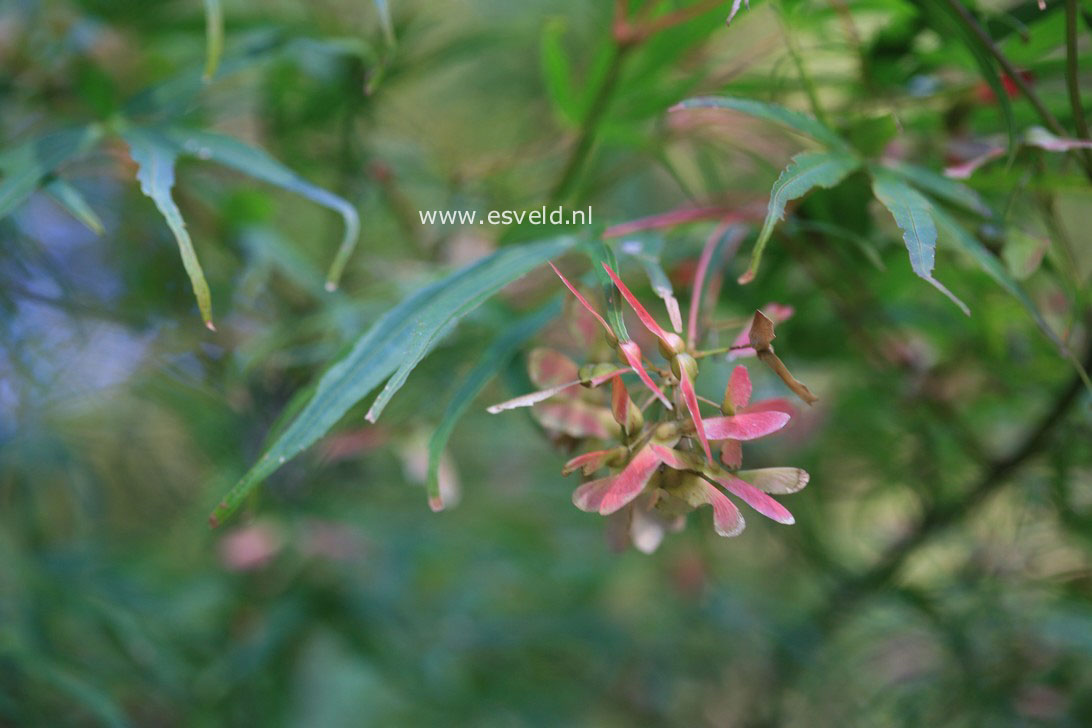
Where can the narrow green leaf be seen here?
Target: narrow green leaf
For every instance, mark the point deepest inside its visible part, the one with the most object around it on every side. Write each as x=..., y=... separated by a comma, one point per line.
x=805, y=172
x=802, y=123
x=601, y=252
x=155, y=161
x=483, y=280
x=492, y=361
x=384, y=10
x=214, y=36
x=557, y=72
x=71, y=200
x=943, y=187
x=393, y=345
x=913, y=214
x=255, y=162
x=26, y=165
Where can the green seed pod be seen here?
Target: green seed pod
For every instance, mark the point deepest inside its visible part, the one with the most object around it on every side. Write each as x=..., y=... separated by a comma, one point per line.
x=674, y=345
x=686, y=362
x=666, y=432
x=634, y=419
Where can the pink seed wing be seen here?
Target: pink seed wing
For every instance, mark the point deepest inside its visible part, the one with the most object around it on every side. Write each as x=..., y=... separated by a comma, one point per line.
x=629, y=483
x=727, y=520
x=778, y=481
x=691, y=399
x=589, y=461
x=632, y=354
x=776, y=404
x=549, y=368
x=589, y=496
x=740, y=387
x=582, y=300
x=526, y=400
x=619, y=401
x=731, y=453
x=756, y=499
x=746, y=426
x=641, y=311
x=574, y=418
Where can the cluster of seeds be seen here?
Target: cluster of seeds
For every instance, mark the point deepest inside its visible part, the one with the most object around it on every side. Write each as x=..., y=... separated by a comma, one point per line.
x=660, y=468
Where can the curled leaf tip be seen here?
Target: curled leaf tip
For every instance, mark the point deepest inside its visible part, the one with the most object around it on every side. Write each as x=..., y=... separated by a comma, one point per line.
x=214, y=522
x=331, y=286
x=746, y=278
x=209, y=325
x=436, y=503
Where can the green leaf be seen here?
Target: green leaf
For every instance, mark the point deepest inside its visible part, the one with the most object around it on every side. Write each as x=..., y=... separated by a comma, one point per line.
x=394, y=345
x=71, y=200
x=255, y=162
x=600, y=253
x=558, y=73
x=913, y=214
x=384, y=10
x=155, y=160
x=771, y=112
x=943, y=187
x=805, y=172
x=214, y=36
x=492, y=361
x=26, y=165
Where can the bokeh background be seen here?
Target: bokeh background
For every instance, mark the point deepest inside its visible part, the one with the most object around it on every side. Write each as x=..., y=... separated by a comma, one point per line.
x=938, y=573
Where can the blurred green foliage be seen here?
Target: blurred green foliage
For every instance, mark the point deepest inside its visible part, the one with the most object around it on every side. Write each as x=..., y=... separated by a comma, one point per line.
x=939, y=570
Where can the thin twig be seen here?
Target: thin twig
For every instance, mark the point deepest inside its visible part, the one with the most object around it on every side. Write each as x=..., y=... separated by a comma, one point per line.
x=1072, y=72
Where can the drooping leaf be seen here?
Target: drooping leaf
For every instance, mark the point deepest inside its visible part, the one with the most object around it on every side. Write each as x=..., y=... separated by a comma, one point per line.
x=943, y=187
x=393, y=345
x=26, y=165
x=492, y=360
x=155, y=160
x=913, y=214
x=71, y=200
x=805, y=172
x=255, y=162
x=214, y=36
x=557, y=72
x=802, y=123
